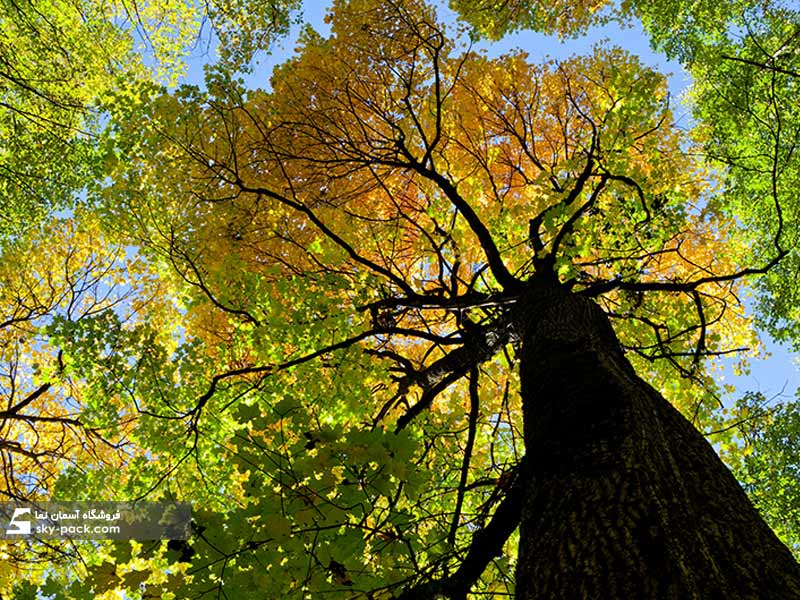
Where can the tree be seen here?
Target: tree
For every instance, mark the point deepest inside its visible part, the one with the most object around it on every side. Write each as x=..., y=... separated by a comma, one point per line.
x=67, y=276
x=62, y=66
x=418, y=293
x=61, y=60
x=743, y=57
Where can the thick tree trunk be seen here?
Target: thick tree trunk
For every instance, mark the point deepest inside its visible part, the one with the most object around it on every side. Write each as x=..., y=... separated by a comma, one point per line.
x=626, y=499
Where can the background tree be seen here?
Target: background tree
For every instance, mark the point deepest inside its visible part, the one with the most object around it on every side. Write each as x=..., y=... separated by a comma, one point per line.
x=61, y=65
x=51, y=424
x=60, y=59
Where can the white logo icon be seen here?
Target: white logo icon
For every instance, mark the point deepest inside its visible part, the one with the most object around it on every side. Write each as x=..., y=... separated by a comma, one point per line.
x=20, y=527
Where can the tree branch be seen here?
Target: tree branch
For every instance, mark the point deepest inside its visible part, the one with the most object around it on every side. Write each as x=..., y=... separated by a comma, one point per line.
x=490, y=250
x=474, y=405
x=768, y=67
x=478, y=347
x=598, y=289
x=487, y=543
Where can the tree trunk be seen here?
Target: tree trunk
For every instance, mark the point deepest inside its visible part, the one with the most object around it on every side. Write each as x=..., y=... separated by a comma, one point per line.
x=626, y=498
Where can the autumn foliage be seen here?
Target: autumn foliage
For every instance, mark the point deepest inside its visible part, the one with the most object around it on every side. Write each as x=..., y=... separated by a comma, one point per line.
x=299, y=307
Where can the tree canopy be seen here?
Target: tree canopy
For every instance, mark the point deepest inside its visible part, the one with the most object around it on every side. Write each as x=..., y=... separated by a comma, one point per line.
x=59, y=61
x=322, y=311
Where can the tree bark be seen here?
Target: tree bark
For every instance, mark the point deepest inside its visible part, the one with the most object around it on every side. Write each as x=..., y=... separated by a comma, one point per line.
x=626, y=499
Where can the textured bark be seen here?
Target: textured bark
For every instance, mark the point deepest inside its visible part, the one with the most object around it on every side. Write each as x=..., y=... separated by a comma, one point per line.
x=626, y=498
